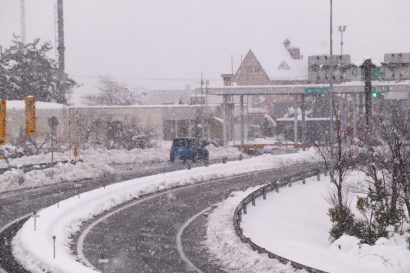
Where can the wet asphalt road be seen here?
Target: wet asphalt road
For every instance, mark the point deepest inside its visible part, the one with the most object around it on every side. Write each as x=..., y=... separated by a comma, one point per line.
x=142, y=238
x=22, y=202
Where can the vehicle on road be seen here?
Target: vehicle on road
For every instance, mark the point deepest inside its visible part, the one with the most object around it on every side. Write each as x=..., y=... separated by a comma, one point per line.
x=189, y=148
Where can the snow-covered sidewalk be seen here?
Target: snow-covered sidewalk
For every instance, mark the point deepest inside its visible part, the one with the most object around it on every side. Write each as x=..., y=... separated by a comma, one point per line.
x=294, y=224
x=34, y=249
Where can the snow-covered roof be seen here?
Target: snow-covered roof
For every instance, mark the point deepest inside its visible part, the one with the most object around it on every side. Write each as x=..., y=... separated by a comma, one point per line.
x=20, y=105
x=279, y=65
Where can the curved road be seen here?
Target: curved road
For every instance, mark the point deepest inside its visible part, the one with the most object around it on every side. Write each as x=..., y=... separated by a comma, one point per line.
x=16, y=204
x=142, y=237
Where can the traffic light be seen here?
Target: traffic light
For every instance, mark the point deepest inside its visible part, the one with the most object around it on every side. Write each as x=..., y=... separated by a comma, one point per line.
x=3, y=122
x=30, y=115
x=375, y=94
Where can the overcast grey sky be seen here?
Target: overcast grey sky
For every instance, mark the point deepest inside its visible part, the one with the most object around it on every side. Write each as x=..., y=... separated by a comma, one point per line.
x=179, y=39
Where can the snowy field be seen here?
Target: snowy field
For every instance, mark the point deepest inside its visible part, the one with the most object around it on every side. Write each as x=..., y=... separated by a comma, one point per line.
x=96, y=163
x=34, y=248
x=294, y=224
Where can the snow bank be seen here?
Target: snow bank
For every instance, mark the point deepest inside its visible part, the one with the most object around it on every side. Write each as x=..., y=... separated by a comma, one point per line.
x=34, y=249
x=294, y=224
x=17, y=179
x=227, y=248
x=95, y=164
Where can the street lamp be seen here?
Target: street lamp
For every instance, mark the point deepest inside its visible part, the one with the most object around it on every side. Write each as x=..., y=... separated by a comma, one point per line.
x=341, y=30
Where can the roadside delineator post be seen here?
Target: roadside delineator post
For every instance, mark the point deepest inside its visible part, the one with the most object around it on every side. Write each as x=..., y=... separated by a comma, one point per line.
x=78, y=186
x=103, y=261
x=54, y=246
x=35, y=216
x=318, y=176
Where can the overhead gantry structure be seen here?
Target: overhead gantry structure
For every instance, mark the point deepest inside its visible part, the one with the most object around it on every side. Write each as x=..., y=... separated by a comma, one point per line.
x=352, y=89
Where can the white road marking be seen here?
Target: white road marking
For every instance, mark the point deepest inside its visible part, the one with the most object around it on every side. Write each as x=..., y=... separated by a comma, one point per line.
x=7, y=226
x=179, y=241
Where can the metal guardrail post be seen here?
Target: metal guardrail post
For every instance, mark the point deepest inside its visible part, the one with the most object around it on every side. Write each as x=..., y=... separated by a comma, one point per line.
x=244, y=209
x=253, y=201
x=264, y=193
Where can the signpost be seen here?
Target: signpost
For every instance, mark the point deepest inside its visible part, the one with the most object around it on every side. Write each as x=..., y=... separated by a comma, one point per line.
x=312, y=91
x=53, y=122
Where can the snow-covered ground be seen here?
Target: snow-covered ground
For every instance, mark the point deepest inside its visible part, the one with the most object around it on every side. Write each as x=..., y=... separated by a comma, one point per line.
x=294, y=224
x=95, y=163
x=34, y=248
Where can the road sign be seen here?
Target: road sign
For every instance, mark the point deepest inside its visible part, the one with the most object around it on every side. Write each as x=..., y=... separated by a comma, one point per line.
x=378, y=74
x=53, y=121
x=3, y=122
x=30, y=103
x=311, y=91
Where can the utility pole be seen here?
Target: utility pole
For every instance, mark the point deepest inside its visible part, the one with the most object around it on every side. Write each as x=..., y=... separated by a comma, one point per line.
x=60, y=49
x=23, y=21
x=367, y=66
x=331, y=99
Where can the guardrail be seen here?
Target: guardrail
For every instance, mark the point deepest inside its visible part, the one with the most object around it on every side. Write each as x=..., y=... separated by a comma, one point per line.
x=251, y=198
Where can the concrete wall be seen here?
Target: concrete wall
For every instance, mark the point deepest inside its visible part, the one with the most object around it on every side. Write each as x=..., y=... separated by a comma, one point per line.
x=75, y=121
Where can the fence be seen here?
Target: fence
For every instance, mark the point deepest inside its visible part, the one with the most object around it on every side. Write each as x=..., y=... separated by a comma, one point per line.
x=251, y=198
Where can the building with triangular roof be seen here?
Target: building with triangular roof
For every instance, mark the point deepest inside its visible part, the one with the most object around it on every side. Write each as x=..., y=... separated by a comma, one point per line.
x=251, y=72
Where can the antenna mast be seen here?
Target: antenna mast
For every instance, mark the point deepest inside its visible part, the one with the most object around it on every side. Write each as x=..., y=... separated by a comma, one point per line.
x=23, y=21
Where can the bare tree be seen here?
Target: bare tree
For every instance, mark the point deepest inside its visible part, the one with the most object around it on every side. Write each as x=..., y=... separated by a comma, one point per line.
x=114, y=93
x=340, y=158
x=392, y=158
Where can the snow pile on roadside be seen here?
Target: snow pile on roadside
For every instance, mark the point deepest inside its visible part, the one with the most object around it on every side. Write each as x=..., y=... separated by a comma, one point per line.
x=226, y=247
x=302, y=233
x=159, y=153
x=34, y=249
x=17, y=179
x=95, y=164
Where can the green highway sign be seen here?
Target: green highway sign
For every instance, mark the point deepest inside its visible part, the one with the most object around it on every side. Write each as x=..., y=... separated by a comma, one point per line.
x=310, y=91
x=378, y=74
